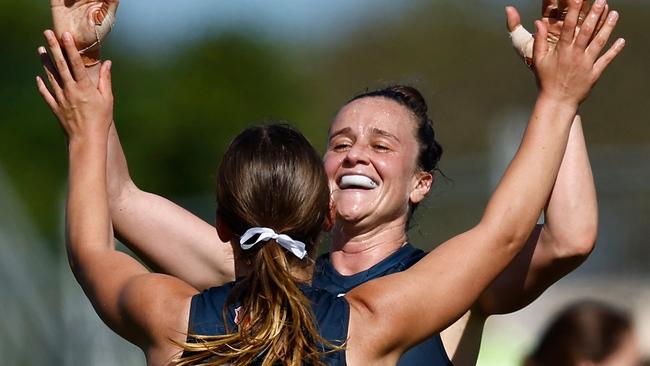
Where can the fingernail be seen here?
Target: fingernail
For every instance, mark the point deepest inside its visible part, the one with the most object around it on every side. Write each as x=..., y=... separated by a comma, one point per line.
x=613, y=16
x=40, y=50
x=599, y=2
x=110, y=63
x=620, y=42
x=67, y=36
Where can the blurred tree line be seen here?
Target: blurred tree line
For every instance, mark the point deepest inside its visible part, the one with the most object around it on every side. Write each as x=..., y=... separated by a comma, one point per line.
x=177, y=113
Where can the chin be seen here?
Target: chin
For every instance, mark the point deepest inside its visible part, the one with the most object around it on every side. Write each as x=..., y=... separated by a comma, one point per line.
x=351, y=215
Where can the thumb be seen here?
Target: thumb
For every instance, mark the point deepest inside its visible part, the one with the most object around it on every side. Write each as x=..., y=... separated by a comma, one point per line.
x=105, y=84
x=512, y=18
x=522, y=40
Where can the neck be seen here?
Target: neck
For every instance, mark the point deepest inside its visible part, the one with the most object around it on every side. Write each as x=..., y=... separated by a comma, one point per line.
x=353, y=251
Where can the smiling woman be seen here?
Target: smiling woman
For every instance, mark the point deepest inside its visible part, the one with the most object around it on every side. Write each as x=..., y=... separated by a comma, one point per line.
x=379, y=164
x=384, y=135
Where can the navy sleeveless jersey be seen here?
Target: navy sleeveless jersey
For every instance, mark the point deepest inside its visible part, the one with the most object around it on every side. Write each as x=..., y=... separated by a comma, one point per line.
x=429, y=352
x=332, y=315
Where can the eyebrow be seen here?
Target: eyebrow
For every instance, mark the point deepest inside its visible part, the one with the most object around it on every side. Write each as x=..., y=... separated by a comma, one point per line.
x=378, y=131
x=342, y=131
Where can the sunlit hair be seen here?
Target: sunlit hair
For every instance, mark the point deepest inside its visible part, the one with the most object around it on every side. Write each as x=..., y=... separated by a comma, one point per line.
x=585, y=331
x=270, y=176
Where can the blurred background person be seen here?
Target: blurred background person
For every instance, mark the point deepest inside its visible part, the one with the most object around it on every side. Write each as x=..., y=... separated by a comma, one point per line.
x=588, y=333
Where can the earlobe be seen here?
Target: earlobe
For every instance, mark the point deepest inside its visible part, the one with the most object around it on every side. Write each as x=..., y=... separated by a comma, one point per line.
x=223, y=230
x=423, y=183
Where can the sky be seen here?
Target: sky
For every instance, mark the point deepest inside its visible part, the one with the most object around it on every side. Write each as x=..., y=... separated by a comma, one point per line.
x=150, y=24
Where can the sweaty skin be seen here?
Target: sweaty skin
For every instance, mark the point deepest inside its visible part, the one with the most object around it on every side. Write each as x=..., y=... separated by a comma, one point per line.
x=143, y=219
x=152, y=309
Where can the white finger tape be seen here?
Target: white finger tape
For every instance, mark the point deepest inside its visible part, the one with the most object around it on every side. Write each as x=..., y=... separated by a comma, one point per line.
x=523, y=41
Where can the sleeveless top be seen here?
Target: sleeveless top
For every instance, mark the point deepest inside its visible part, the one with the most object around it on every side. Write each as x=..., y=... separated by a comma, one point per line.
x=331, y=314
x=431, y=352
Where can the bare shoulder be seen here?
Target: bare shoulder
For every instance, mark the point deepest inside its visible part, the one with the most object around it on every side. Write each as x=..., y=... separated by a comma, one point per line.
x=159, y=306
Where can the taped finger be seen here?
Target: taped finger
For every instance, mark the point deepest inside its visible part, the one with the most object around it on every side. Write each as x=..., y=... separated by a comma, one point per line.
x=522, y=42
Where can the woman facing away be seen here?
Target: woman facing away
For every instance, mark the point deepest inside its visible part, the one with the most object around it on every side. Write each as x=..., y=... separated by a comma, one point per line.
x=387, y=315
x=552, y=250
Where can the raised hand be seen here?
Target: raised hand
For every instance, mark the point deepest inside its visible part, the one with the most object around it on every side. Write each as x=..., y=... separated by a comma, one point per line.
x=82, y=108
x=568, y=71
x=553, y=14
x=89, y=22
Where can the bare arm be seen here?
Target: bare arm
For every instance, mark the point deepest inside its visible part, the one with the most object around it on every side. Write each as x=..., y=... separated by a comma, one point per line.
x=406, y=307
x=147, y=309
x=570, y=224
x=554, y=248
x=167, y=237
x=559, y=245
x=545, y=258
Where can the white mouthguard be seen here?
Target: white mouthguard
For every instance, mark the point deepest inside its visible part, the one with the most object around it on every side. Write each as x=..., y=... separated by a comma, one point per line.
x=357, y=181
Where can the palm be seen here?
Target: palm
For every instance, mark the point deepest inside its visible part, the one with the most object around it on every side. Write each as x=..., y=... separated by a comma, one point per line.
x=80, y=17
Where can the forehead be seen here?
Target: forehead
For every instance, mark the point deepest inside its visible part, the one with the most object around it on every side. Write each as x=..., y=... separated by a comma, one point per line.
x=370, y=114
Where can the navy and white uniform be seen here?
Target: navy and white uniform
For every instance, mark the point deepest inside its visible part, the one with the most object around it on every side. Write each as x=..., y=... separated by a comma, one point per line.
x=429, y=352
x=332, y=315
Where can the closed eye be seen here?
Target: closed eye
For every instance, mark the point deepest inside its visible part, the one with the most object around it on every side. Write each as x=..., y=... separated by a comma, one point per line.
x=341, y=147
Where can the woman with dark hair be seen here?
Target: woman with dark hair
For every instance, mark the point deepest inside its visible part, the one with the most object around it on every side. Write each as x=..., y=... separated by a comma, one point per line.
x=588, y=333
x=371, y=151
x=144, y=221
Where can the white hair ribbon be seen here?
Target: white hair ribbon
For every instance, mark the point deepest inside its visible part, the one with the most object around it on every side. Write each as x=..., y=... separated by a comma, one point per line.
x=265, y=234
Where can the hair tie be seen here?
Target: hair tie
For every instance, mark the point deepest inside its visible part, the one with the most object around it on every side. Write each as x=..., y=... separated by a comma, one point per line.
x=265, y=234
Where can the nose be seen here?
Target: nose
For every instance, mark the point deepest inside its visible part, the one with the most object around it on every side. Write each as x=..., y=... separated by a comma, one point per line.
x=357, y=154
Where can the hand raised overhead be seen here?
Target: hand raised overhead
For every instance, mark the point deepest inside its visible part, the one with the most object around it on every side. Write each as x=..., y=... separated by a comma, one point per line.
x=568, y=71
x=553, y=15
x=82, y=108
x=89, y=22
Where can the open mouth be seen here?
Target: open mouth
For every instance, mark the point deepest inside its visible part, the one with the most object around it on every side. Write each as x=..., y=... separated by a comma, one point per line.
x=357, y=181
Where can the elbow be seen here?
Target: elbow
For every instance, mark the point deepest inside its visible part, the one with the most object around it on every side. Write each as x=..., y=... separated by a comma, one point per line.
x=119, y=195
x=579, y=244
x=510, y=241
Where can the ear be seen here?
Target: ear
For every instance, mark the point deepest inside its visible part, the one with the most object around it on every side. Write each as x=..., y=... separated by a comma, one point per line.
x=223, y=230
x=422, y=182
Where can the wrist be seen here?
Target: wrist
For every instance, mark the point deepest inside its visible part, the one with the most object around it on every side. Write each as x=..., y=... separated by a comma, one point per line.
x=88, y=139
x=557, y=102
